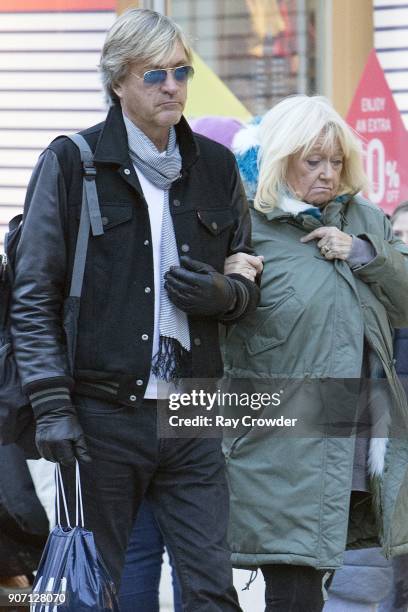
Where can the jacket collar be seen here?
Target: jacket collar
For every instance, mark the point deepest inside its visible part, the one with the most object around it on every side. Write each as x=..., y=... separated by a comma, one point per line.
x=333, y=214
x=112, y=146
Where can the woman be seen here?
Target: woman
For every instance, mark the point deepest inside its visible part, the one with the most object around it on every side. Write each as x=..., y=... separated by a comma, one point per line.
x=335, y=282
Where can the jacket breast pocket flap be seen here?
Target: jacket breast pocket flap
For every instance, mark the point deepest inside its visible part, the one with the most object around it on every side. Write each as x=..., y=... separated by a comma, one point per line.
x=115, y=214
x=112, y=213
x=215, y=220
x=276, y=324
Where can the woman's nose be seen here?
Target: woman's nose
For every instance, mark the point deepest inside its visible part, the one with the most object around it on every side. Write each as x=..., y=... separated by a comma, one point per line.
x=327, y=170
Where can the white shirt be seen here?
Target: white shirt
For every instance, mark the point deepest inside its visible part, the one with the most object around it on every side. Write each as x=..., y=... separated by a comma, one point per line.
x=155, y=202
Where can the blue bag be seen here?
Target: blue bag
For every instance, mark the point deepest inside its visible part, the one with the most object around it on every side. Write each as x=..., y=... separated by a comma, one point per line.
x=71, y=576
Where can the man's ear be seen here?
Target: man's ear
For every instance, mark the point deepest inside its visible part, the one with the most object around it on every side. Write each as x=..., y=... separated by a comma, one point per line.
x=118, y=90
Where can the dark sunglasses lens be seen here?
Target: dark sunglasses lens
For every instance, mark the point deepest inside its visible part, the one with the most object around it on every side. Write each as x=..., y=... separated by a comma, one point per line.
x=182, y=73
x=153, y=77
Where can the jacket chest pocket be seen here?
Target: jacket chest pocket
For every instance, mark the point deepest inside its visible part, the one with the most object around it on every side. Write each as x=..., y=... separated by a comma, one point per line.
x=112, y=245
x=275, y=324
x=114, y=215
x=215, y=227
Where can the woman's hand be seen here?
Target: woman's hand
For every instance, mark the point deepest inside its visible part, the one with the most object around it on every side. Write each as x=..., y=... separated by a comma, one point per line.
x=246, y=265
x=332, y=242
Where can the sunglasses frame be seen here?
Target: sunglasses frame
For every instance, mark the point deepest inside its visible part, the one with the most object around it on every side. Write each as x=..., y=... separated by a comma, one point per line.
x=190, y=74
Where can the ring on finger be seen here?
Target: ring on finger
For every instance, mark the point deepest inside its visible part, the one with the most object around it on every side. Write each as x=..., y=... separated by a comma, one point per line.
x=324, y=249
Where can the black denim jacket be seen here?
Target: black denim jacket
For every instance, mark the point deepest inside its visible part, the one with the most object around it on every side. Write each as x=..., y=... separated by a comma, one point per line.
x=211, y=221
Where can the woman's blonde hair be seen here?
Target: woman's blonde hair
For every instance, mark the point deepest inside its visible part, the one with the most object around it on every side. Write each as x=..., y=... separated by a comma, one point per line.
x=294, y=125
x=138, y=35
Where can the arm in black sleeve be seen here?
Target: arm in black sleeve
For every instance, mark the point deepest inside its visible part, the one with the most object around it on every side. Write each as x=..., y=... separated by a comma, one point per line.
x=247, y=298
x=247, y=292
x=38, y=290
x=36, y=315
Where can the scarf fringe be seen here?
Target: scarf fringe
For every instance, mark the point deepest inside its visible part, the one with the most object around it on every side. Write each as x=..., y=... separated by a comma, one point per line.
x=171, y=361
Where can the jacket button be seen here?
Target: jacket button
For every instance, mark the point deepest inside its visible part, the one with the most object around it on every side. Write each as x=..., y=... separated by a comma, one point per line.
x=105, y=220
x=145, y=337
x=185, y=248
x=197, y=341
x=176, y=203
x=139, y=382
x=126, y=171
x=214, y=225
x=146, y=243
x=132, y=398
x=147, y=290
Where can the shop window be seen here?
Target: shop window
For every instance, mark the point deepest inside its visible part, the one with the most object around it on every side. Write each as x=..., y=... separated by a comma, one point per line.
x=262, y=50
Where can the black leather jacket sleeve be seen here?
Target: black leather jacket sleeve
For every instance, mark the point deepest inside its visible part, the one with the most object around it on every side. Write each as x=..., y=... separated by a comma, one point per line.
x=39, y=284
x=241, y=241
x=249, y=294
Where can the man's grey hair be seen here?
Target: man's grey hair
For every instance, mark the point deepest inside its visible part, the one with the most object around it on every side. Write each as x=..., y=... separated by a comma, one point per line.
x=138, y=35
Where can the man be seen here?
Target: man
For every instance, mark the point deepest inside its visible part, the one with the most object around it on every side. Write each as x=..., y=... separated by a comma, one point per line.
x=167, y=198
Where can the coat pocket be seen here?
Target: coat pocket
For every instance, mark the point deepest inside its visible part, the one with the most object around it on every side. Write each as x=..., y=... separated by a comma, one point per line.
x=215, y=220
x=214, y=230
x=276, y=323
x=115, y=214
x=107, y=252
x=112, y=213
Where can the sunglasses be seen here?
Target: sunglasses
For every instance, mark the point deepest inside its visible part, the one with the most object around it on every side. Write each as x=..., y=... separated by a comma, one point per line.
x=159, y=75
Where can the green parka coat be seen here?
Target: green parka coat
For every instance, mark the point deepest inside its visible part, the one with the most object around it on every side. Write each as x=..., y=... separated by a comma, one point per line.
x=290, y=497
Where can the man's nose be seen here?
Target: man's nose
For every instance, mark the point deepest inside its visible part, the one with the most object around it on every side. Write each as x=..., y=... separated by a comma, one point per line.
x=170, y=85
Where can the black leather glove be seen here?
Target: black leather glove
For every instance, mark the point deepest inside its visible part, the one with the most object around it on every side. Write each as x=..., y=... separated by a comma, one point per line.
x=59, y=436
x=198, y=289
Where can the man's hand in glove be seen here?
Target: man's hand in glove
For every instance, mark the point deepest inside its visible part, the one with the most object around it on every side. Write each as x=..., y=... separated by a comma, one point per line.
x=198, y=289
x=59, y=436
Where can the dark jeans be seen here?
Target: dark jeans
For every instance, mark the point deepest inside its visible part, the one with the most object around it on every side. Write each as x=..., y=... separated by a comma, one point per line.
x=142, y=571
x=293, y=588
x=184, y=481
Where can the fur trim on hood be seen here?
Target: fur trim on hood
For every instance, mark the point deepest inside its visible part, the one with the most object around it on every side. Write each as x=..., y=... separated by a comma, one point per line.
x=245, y=147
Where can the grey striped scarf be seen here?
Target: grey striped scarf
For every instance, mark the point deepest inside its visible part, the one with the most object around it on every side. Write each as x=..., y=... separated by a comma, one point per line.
x=174, y=347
